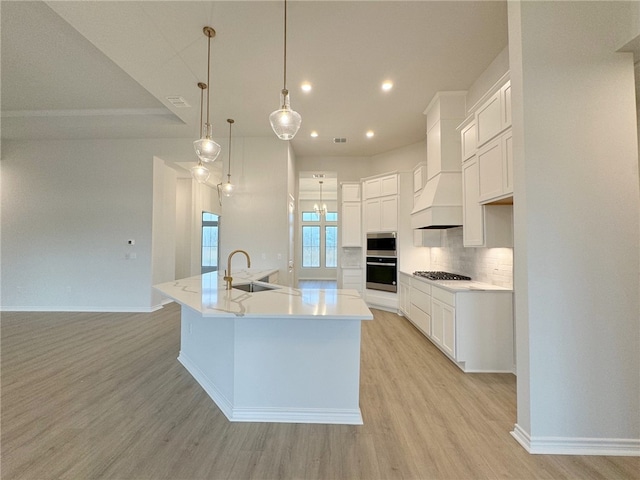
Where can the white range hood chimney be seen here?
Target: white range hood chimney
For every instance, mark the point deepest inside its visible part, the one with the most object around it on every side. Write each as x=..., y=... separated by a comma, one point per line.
x=440, y=203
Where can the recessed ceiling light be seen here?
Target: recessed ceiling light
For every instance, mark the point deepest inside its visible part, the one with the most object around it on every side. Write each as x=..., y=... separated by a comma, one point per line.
x=386, y=86
x=306, y=87
x=370, y=134
x=314, y=134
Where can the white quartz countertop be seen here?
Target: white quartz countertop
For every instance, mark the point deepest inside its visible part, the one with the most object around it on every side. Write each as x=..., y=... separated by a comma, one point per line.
x=461, y=285
x=207, y=295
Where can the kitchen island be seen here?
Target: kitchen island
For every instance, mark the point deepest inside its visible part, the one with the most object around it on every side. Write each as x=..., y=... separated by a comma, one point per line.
x=276, y=355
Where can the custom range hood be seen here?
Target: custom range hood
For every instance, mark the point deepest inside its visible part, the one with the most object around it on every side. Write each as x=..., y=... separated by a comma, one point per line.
x=439, y=206
x=440, y=203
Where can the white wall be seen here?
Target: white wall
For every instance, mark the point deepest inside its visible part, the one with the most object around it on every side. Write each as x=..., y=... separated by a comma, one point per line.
x=68, y=209
x=400, y=159
x=163, y=227
x=496, y=69
x=488, y=265
x=255, y=218
x=576, y=211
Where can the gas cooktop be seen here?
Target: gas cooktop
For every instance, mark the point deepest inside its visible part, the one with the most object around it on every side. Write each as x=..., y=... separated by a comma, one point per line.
x=441, y=275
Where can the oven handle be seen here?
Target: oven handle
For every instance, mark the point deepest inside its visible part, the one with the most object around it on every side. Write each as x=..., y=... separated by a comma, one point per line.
x=381, y=264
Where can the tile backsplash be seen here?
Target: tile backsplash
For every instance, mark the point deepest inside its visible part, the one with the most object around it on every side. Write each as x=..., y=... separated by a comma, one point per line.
x=488, y=265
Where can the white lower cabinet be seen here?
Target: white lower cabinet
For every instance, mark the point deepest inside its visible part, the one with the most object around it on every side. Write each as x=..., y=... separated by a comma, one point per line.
x=474, y=328
x=352, y=279
x=420, y=306
x=404, y=293
x=443, y=325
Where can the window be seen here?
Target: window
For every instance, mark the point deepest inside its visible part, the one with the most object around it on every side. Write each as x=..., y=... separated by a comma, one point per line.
x=319, y=240
x=331, y=246
x=310, y=246
x=209, y=242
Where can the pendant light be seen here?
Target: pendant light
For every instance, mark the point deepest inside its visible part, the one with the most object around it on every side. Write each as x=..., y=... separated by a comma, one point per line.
x=200, y=173
x=285, y=122
x=206, y=149
x=227, y=188
x=321, y=210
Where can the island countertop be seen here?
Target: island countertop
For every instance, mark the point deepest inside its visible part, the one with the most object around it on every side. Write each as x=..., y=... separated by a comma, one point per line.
x=207, y=295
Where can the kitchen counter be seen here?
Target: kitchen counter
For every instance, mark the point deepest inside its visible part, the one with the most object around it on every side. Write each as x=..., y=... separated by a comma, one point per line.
x=460, y=285
x=282, y=355
x=207, y=295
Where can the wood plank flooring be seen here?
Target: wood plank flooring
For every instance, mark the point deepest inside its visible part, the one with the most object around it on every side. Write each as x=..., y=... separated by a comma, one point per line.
x=102, y=396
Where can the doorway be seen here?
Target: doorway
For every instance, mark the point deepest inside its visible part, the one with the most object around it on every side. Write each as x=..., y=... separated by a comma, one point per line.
x=317, y=219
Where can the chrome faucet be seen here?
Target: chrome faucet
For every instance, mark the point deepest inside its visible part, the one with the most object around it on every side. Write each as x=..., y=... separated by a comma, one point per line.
x=227, y=273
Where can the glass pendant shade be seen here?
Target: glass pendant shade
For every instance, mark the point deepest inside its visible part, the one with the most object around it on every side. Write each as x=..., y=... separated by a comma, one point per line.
x=285, y=122
x=206, y=149
x=200, y=173
x=228, y=188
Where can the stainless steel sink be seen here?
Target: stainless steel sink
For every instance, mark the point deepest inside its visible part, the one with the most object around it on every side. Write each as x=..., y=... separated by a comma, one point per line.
x=253, y=287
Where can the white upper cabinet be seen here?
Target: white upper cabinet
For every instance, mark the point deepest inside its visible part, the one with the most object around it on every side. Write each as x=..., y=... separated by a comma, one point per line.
x=495, y=162
x=468, y=138
x=389, y=185
x=351, y=192
x=381, y=203
x=380, y=187
x=351, y=221
x=493, y=116
x=505, y=95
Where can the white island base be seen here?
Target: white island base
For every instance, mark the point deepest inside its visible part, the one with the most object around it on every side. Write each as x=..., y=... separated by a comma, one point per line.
x=276, y=369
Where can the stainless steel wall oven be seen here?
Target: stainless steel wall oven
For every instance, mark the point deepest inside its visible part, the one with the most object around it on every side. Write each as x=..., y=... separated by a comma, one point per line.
x=382, y=273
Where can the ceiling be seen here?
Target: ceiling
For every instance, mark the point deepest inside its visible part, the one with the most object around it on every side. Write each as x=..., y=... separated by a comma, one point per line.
x=77, y=69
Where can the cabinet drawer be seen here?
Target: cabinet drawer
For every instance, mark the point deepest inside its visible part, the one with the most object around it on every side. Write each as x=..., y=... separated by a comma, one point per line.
x=352, y=276
x=421, y=300
x=422, y=286
x=444, y=296
x=420, y=319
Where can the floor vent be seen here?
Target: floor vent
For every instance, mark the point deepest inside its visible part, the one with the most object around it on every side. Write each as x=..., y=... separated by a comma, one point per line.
x=339, y=140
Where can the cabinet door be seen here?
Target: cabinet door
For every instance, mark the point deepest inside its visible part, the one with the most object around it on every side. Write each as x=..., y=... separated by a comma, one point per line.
x=372, y=215
x=371, y=188
x=350, y=192
x=352, y=278
x=505, y=93
x=472, y=211
x=489, y=119
x=405, y=299
x=389, y=185
x=389, y=214
x=437, y=318
x=351, y=230
x=448, y=330
x=469, y=140
x=490, y=170
x=507, y=163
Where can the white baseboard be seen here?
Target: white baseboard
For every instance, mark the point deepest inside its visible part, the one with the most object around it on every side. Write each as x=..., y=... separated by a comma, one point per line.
x=80, y=309
x=576, y=446
x=272, y=415
x=292, y=415
x=216, y=395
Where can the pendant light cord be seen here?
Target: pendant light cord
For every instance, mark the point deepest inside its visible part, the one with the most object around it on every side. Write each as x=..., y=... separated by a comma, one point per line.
x=229, y=171
x=285, y=46
x=208, y=74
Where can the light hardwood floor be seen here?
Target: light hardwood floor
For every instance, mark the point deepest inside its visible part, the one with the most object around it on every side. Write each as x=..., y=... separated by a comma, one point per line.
x=88, y=395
